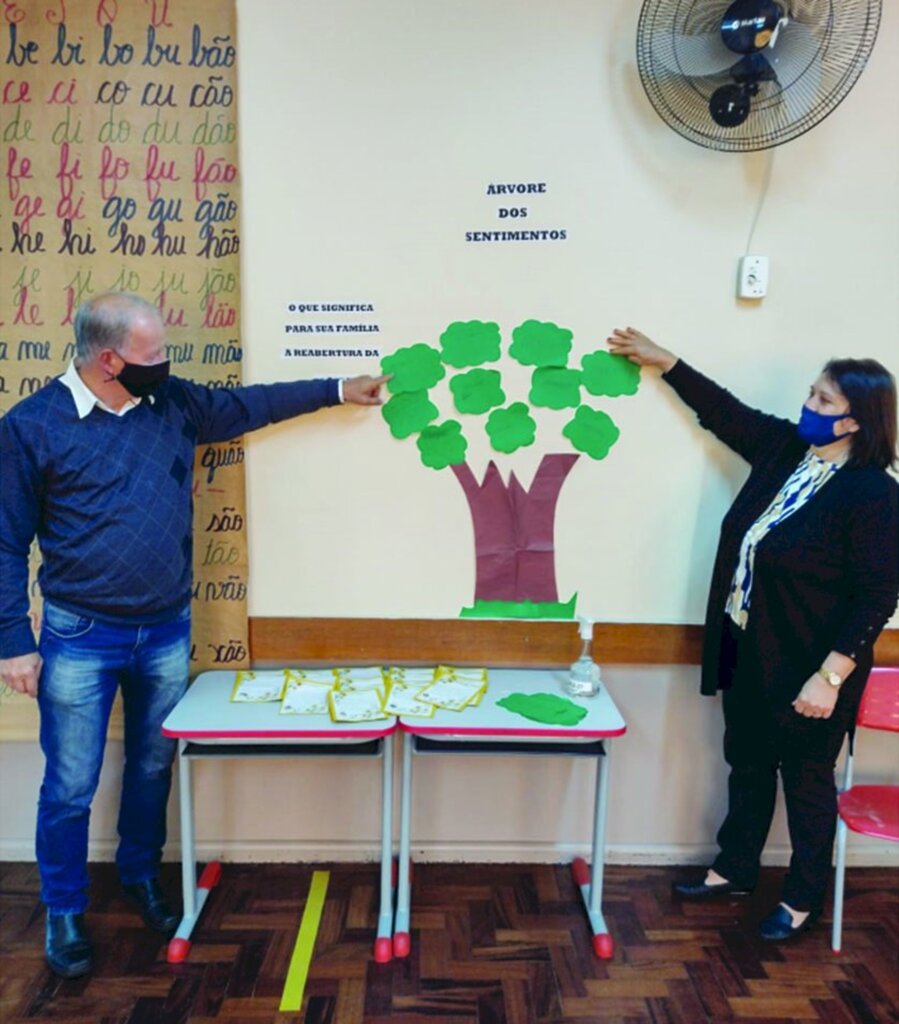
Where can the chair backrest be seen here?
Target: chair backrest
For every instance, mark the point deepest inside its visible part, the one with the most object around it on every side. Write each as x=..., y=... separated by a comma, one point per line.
x=879, y=708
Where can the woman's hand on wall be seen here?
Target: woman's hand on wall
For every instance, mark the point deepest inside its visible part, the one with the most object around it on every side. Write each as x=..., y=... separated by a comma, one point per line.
x=639, y=349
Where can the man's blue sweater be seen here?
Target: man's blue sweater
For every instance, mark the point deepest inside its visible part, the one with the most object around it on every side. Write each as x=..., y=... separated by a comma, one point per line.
x=110, y=497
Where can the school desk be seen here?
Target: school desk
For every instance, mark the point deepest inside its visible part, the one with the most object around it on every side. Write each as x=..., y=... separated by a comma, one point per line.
x=208, y=724
x=489, y=729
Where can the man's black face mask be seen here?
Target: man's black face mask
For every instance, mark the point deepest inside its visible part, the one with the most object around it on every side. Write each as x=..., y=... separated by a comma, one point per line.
x=142, y=381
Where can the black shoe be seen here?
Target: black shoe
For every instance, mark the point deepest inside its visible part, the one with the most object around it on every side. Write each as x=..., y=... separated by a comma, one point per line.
x=702, y=891
x=153, y=905
x=66, y=946
x=778, y=925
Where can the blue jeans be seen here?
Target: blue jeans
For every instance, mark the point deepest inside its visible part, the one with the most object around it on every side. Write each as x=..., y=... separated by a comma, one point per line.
x=85, y=662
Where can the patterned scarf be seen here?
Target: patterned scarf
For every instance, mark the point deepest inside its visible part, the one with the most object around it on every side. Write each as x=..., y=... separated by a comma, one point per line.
x=806, y=480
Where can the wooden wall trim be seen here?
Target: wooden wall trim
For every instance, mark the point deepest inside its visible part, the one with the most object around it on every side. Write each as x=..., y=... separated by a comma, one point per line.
x=482, y=642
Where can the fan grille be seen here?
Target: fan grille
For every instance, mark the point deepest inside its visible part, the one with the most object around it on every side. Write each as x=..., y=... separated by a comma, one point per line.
x=835, y=43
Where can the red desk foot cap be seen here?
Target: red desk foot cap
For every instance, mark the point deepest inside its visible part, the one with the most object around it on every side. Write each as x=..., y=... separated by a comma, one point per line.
x=178, y=950
x=580, y=871
x=602, y=946
x=209, y=879
x=402, y=944
x=383, y=949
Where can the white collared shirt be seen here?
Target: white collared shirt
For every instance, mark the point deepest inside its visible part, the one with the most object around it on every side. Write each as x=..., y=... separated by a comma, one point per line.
x=85, y=399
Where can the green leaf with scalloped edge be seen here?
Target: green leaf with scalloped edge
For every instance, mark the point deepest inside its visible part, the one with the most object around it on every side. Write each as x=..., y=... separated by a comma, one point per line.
x=548, y=708
x=408, y=412
x=592, y=431
x=605, y=374
x=442, y=445
x=554, y=387
x=539, y=343
x=414, y=368
x=470, y=343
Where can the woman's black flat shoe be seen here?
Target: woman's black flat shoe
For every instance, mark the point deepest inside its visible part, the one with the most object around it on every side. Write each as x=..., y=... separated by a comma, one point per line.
x=778, y=925
x=702, y=891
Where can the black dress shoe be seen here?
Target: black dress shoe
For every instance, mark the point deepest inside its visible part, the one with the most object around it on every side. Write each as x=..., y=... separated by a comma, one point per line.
x=702, y=891
x=778, y=925
x=153, y=905
x=66, y=946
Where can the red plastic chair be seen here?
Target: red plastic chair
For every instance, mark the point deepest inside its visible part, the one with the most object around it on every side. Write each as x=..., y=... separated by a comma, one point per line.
x=869, y=810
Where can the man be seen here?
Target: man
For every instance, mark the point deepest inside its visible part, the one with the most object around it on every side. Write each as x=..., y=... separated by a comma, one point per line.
x=98, y=465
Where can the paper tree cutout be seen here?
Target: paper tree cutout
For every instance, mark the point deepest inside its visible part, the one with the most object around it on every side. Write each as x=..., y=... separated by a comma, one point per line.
x=513, y=527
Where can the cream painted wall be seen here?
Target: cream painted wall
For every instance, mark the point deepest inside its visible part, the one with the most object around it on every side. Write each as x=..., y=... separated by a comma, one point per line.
x=344, y=521
x=370, y=132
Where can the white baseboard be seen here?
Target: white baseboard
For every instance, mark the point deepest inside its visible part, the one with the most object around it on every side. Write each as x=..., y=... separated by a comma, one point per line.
x=868, y=855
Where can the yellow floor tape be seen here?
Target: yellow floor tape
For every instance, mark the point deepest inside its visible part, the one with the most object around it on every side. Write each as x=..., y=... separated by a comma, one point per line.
x=298, y=971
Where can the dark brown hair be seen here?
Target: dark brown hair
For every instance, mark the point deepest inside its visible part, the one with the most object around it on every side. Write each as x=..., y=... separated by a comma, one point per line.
x=870, y=390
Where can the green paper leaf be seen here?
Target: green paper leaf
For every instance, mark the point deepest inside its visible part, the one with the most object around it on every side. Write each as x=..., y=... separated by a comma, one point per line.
x=409, y=412
x=414, y=368
x=548, y=708
x=605, y=374
x=442, y=445
x=512, y=428
x=555, y=387
x=535, y=343
x=592, y=431
x=470, y=343
x=477, y=391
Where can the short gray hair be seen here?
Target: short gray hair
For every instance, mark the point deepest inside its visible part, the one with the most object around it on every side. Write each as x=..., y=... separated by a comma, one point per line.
x=105, y=321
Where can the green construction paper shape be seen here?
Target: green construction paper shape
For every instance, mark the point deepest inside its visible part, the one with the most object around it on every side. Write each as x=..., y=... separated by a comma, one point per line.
x=520, y=609
x=470, y=343
x=548, y=708
x=605, y=374
x=592, y=432
x=442, y=445
x=409, y=412
x=477, y=391
x=414, y=368
x=555, y=387
x=512, y=428
x=535, y=343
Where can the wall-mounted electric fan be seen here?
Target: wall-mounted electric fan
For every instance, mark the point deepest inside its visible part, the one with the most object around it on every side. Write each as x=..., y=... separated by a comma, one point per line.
x=751, y=74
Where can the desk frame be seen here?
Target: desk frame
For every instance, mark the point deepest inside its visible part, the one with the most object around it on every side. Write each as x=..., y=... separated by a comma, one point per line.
x=203, y=732
x=425, y=738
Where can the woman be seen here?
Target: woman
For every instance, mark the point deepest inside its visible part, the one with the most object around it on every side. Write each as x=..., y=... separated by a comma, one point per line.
x=806, y=576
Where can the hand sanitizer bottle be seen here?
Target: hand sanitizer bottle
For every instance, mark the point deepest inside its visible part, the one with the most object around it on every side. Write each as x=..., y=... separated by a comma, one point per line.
x=583, y=677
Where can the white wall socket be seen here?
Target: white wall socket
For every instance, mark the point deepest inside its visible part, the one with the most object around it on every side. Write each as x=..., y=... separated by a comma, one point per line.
x=752, y=277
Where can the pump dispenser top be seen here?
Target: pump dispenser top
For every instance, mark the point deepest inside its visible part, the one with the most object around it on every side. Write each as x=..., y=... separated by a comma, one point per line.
x=583, y=677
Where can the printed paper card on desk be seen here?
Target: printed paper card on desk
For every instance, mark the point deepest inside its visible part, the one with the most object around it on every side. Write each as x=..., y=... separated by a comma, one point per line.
x=305, y=699
x=455, y=688
x=360, y=678
x=320, y=676
x=404, y=700
x=356, y=706
x=258, y=686
x=411, y=676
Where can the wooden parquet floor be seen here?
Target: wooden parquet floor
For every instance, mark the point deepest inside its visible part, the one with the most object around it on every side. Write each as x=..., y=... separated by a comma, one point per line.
x=492, y=944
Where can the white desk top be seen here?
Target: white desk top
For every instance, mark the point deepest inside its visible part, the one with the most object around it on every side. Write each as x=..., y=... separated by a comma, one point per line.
x=206, y=714
x=487, y=719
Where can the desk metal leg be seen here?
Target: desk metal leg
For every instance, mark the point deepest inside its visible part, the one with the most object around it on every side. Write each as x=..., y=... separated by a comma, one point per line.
x=193, y=894
x=401, y=939
x=383, y=942
x=589, y=880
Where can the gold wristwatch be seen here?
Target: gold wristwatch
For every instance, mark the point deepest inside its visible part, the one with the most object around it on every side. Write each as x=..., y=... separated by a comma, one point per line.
x=834, y=678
